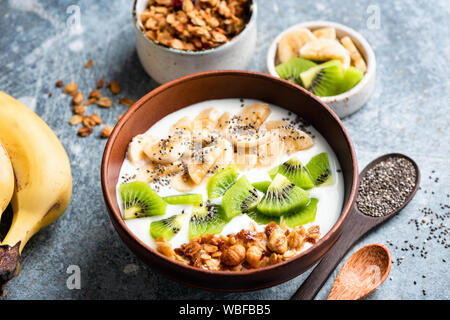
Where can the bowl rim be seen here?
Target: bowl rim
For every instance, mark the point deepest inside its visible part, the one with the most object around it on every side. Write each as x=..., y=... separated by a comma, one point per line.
x=355, y=35
x=250, y=23
x=116, y=215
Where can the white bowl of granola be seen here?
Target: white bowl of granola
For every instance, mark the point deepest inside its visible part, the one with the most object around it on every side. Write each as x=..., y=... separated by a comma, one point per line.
x=175, y=38
x=357, y=54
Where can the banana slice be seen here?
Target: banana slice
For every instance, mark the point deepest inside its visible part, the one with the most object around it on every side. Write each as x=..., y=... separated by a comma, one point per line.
x=246, y=158
x=248, y=138
x=292, y=42
x=152, y=171
x=202, y=160
x=324, y=50
x=270, y=153
x=253, y=116
x=356, y=59
x=184, y=123
x=146, y=173
x=206, y=119
x=293, y=139
x=182, y=182
x=223, y=122
x=169, y=150
x=226, y=158
x=327, y=33
x=136, y=147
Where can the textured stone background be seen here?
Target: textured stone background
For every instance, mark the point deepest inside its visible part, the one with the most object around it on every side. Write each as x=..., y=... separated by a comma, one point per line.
x=408, y=112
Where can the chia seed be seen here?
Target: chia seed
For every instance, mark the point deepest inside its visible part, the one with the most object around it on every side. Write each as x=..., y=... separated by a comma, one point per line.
x=386, y=186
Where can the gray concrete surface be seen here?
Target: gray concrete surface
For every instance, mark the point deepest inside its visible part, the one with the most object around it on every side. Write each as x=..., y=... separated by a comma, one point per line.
x=409, y=112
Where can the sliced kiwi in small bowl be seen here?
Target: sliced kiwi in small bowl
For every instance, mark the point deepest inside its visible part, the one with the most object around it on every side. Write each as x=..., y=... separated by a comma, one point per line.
x=294, y=170
x=187, y=198
x=303, y=216
x=167, y=228
x=324, y=80
x=282, y=197
x=240, y=198
x=221, y=181
x=206, y=219
x=291, y=70
x=139, y=200
x=352, y=77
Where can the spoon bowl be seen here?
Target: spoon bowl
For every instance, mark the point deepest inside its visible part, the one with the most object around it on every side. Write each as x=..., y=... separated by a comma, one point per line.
x=357, y=225
x=362, y=273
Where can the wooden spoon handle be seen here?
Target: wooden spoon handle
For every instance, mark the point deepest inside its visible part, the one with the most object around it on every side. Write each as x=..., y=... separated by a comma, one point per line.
x=354, y=228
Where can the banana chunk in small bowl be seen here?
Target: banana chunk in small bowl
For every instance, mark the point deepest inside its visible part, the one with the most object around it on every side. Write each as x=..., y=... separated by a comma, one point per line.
x=331, y=60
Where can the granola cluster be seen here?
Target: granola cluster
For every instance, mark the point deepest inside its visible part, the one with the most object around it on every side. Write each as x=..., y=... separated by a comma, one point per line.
x=248, y=249
x=194, y=25
x=80, y=104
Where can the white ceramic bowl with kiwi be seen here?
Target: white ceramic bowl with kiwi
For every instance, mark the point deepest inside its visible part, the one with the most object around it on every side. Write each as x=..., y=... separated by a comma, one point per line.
x=329, y=59
x=164, y=63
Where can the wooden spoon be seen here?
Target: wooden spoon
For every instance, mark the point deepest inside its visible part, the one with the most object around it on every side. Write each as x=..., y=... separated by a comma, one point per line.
x=355, y=227
x=362, y=273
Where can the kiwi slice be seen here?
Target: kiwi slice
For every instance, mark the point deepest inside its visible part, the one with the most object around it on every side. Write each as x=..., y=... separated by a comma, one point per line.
x=282, y=197
x=294, y=170
x=167, y=228
x=260, y=218
x=206, y=219
x=319, y=170
x=325, y=79
x=221, y=181
x=352, y=77
x=304, y=216
x=240, y=198
x=292, y=69
x=262, y=186
x=187, y=198
x=139, y=200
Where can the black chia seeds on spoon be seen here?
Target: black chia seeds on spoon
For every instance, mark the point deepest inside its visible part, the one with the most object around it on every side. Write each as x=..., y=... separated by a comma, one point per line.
x=385, y=187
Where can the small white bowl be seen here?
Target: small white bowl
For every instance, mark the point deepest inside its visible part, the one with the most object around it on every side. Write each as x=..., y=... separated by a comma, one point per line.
x=348, y=102
x=164, y=64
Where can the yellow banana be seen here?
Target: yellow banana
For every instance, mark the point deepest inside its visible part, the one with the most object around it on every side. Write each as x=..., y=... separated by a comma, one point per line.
x=43, y=179
x=6, y=179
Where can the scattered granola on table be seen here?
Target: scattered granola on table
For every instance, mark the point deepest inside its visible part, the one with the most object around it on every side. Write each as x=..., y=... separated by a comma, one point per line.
x=248, y=249
x=79, y=104
x=194, y=25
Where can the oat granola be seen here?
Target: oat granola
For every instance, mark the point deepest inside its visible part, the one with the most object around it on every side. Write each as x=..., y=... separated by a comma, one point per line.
x=247, y=249
x=194, y=25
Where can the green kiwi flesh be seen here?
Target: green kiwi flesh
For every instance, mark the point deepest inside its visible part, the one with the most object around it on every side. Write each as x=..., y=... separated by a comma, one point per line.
x=292, y=69
x=167, y=228
x=221, y=181
x=206, y=219
x=240, y=198
x=319, y=170
x=294, y=170
x=352, y=77
x=260, y=218
x=262, y=186
x=282, y=197
x=139, y=200
x=325, y=79
x=188, y=198
x=303, y=216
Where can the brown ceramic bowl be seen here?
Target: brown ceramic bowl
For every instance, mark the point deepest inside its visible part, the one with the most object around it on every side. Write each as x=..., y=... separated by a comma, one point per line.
x=217, y=85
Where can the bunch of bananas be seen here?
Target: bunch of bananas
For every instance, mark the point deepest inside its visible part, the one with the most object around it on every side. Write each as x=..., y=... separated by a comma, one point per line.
x=35, y=178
